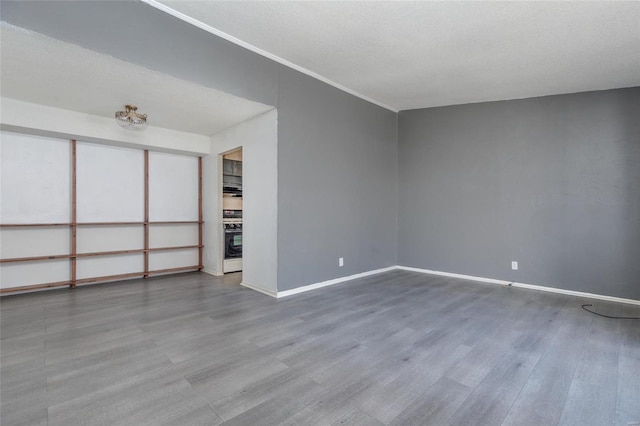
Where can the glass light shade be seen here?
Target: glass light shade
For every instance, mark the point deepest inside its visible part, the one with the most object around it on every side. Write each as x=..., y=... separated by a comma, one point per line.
x=130, y=119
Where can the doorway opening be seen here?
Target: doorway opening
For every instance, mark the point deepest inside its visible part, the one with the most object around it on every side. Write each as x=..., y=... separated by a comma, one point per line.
x=232, y=207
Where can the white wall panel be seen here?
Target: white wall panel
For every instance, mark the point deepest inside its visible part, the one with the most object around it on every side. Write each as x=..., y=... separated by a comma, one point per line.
x=260, y=193
x=110, y=183
x=88, y=267
x=109, y=238
x=173, y=259
x=36, y=188
x=173, y=235
x=173, y=187
x=31, y=273
x=36, y=179
x=29, y=242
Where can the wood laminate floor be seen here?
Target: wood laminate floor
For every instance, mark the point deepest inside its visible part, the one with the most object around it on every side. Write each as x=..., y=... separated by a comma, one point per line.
x=399, y=348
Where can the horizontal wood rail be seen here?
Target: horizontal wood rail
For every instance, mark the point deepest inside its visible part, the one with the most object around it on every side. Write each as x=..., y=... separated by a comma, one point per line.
x=154, y=249
x=117, y=277
x=108, y=223
x=35, y=287
x=176, y=222
x=179, y=269
x=25, y=225
x=157, y=222
x=97, y=253
x=36, y=258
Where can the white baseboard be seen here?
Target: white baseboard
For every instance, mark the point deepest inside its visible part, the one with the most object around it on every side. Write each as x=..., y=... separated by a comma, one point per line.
x=452, y=275
x=332, y=282
x=211, y=272
x=523, y=285
x=260, y=289
x=576, y=293
x=280, y=294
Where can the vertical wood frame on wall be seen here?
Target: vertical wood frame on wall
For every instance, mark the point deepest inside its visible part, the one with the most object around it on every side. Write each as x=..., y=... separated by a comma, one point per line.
x=74, y=214
x=200, y=216
x=73, y=225
x=146, y=213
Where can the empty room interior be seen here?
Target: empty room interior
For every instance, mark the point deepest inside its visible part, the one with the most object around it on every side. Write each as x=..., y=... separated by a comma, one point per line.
x=320, y=213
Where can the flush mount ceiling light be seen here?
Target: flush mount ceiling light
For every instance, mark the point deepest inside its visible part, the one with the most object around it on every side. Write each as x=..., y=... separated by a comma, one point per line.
x=130, y=119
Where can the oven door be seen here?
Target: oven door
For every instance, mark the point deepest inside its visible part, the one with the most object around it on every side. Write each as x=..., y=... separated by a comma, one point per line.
x=232, y=244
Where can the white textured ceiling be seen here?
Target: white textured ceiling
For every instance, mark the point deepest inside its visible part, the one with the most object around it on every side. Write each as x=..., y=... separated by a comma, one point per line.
x=46, y=71
x=408, y=55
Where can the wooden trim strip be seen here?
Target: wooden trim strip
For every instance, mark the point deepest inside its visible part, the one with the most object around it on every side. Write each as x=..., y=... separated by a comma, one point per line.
x=109, y=253
x=134, y=274
x=110, y=277
x=176, y=222
x=108, y=223
x=25, y=225
x=36, y=258
x=168, y=270
x=133, y=251
x=114, y=278
x=200, y=216
x=96, y=253
x=74, y=205
x=163, y=222
x=146, y=213
x=173, y=248
x=34, y=287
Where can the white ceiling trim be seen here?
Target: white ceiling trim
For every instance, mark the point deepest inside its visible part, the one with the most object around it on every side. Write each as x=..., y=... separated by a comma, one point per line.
x=251, y=47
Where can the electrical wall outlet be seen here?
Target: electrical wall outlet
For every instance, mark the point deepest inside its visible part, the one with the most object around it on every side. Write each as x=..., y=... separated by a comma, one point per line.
x=341, y=261
x=514, y=265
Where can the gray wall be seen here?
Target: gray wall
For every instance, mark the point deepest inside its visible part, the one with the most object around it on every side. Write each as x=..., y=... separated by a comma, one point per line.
x=337, y=153
x=552, y=182
x=336, y=183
